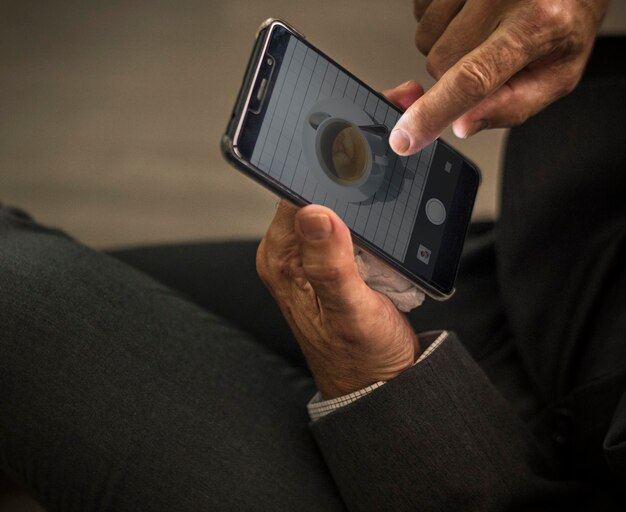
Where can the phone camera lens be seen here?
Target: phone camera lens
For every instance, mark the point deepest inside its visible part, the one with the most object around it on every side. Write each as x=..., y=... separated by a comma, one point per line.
x=269, y=61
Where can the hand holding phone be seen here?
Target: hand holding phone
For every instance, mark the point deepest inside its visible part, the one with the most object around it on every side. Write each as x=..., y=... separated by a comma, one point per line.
x=312, y=132
x=350, y=335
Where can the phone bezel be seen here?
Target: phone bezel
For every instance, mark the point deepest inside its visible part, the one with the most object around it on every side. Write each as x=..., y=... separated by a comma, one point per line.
x=233, y=155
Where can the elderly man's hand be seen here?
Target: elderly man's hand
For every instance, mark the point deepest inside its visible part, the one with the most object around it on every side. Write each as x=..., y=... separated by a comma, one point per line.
x=497, y=62
x=350, y=335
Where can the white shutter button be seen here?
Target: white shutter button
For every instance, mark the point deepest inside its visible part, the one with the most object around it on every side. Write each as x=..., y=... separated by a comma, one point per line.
x=435, y=211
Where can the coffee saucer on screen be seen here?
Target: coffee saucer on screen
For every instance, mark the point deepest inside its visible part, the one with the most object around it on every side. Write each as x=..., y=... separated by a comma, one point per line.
x=348, y=111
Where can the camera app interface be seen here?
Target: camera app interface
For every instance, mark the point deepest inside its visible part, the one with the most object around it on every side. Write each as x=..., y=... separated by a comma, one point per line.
x=325, y=136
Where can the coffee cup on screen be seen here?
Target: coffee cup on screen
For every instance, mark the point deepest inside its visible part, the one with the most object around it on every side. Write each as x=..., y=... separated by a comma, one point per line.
x=347, y=153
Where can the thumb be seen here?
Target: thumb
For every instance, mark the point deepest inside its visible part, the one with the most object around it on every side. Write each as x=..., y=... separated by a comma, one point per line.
x=328, y=259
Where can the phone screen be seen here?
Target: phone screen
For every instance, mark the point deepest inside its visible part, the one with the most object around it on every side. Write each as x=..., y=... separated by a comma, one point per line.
x=323, y=134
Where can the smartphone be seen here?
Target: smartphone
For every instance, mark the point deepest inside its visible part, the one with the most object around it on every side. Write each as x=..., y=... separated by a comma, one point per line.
x=312, y=132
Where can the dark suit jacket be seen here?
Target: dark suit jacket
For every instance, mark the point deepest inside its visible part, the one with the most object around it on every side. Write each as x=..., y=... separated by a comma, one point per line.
x=529, y=412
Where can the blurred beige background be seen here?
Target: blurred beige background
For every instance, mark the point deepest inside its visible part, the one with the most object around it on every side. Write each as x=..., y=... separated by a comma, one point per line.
x=111, y=112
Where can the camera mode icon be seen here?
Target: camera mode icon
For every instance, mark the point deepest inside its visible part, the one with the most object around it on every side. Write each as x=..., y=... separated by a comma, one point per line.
x=423, y=254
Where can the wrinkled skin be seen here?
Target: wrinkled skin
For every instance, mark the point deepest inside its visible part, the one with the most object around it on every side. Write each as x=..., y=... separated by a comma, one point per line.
x=497, y=62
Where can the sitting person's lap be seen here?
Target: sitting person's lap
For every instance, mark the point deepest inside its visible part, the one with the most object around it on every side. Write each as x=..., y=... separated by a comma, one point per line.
x=118, y=392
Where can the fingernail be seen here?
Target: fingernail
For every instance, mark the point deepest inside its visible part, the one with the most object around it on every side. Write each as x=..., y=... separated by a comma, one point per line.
x=315, y=226
x=407, y=83
x=461, y=133
x=473, y=129
x=399, y=141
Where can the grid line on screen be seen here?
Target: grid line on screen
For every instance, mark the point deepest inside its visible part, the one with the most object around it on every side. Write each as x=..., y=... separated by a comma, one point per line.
x=291, y=136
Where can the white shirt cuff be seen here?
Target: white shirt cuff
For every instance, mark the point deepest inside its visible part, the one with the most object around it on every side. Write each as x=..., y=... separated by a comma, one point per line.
x=318, y=408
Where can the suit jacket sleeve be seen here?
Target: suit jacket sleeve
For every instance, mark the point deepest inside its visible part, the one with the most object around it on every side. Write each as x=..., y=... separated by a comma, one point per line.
x=441, y=437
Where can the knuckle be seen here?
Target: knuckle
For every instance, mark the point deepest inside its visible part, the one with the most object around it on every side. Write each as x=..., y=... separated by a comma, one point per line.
x=262, y=267
x=442, y=57
x=270, y=266
x=550, y=15
x=475, y=79
x=276, y=272
x=326, y=272
x=271, y=239
x=433, y=64
x=550, y=27
x=428, y=32
x=423, y=41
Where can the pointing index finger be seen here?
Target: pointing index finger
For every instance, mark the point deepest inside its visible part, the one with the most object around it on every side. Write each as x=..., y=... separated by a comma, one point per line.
x=472, y=79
